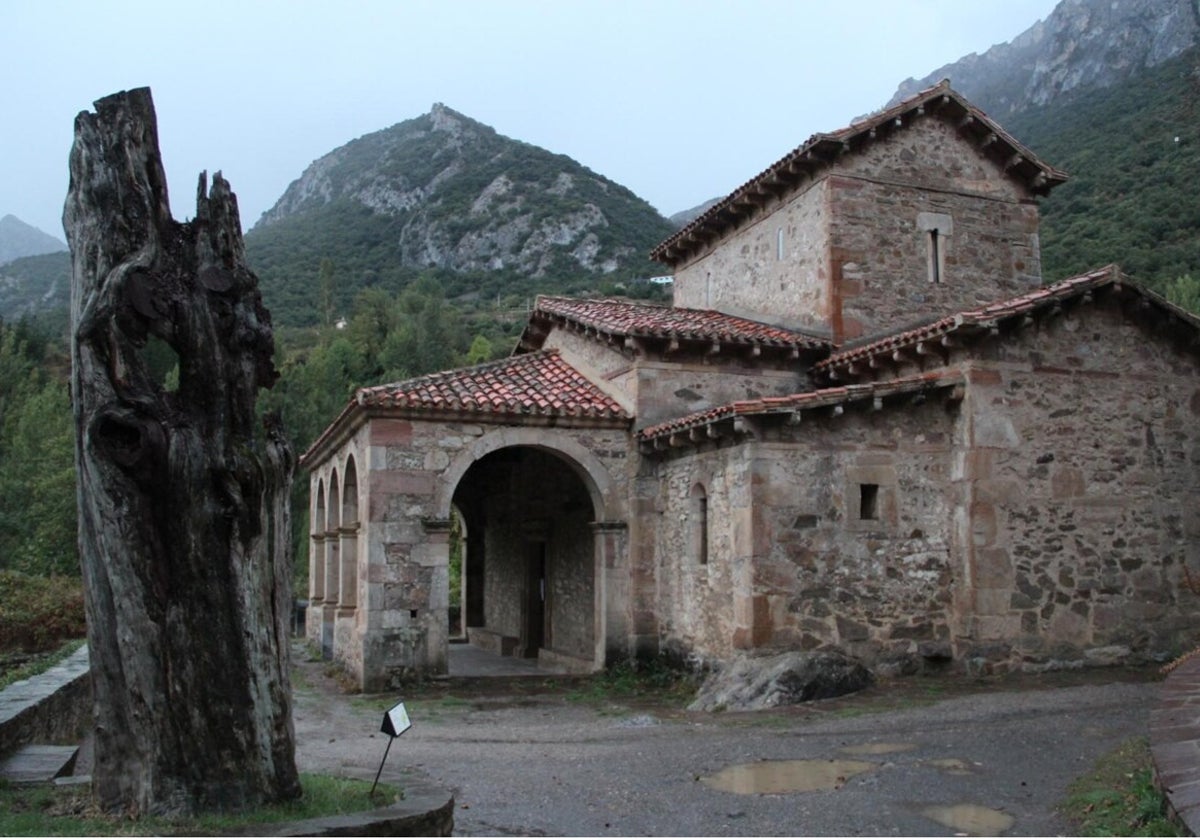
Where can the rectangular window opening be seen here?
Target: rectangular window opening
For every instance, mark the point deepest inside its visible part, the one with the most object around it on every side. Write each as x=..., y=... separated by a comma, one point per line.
x=703, y=528
x=868, y=501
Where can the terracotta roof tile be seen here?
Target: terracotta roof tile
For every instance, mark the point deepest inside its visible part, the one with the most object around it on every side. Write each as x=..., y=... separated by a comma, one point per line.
x=533, y=384
x=819, y=149
x=805, y=401
x=621, y=318
x=985, y=316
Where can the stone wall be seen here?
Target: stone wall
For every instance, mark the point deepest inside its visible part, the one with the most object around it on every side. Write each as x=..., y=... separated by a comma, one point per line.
x=774, y=269
x=853, y=535
x=668, y=390
x=850, y=254
x=793, y=563
x=702, y=571
x=1084, y=481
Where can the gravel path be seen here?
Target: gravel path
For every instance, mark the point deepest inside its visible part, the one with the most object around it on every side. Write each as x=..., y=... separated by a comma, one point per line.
x=546, y=764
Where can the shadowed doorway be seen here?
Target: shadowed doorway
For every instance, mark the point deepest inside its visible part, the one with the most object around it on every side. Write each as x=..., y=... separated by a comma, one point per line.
x=529, y=556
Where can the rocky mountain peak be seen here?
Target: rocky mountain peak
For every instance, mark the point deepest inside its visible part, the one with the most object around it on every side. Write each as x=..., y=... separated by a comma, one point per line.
x=446, y=119
x=18, y=239
x=1081, y=44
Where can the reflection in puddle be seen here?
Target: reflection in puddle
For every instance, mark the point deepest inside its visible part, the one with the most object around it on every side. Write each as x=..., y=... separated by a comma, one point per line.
x=953, y=766
x=786, y=776
x=972, y=819
x=877, y=749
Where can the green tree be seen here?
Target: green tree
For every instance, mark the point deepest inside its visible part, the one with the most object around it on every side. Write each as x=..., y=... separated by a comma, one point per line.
x=325, y=282
x=480, y=350
x=37, y=489
x=1184, y=292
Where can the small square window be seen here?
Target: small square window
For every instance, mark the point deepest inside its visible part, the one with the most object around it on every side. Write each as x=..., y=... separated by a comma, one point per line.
x=868, y=501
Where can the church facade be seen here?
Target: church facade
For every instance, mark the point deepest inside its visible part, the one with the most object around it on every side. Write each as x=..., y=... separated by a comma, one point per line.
x=864, y=424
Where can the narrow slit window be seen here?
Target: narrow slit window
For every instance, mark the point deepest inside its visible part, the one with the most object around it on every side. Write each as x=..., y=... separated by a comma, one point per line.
x=935, y=257
x=779, y=244
x=938, y=229
x=699, y=529
x=868, y=501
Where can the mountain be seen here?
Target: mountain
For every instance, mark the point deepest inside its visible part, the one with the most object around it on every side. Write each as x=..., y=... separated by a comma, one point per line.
x=684, y=217
x=1081, y=44
x=445, y=195
x=36, y=286
x=1109, y=91
x=18, y=239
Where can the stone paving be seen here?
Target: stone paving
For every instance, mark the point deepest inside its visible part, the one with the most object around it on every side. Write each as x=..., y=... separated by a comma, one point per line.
x=1175, y=741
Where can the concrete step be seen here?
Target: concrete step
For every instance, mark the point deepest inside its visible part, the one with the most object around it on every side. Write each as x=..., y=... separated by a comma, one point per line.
x=38, y=764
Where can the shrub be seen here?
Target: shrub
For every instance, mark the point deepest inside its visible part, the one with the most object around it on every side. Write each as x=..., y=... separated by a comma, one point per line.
x=38, y=613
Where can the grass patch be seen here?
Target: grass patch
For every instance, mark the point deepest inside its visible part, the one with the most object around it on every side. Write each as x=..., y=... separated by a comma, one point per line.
x=640, y=683
x=48, y=811
x=31, y=666
x=1118, y=798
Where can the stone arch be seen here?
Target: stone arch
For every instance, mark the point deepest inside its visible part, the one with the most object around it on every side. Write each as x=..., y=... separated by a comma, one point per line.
x=316, y=545
x=546, y=559
x=348, y=539
x=595, y=476
x=333, y=510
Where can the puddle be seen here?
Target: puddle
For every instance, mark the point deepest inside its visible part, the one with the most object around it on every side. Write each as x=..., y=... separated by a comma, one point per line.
x=877, y=749
x=786, y=776
x=953, y=766
x=971, y=819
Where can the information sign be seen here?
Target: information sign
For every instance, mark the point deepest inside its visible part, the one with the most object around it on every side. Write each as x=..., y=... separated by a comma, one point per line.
x=396, y=721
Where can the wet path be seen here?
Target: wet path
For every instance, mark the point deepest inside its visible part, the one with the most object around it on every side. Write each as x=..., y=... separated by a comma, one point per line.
x=528, y=763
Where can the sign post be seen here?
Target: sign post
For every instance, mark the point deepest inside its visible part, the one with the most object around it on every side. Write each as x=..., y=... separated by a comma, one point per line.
x=395, y=724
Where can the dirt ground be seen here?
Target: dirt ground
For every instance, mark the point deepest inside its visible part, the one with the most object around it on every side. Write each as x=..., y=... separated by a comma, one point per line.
x=561, y=756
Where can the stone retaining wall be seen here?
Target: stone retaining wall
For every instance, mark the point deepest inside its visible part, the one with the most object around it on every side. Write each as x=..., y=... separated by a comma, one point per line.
x=52, y=707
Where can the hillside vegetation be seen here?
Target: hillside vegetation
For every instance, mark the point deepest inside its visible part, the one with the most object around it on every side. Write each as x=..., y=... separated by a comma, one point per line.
x=1133, y=155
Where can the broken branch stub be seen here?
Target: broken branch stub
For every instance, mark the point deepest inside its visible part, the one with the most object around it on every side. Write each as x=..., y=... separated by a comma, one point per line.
x=183, y=501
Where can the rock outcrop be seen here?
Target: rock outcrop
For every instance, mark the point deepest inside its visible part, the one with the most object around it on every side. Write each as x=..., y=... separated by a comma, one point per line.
x=786, y=679
x=1082, y=44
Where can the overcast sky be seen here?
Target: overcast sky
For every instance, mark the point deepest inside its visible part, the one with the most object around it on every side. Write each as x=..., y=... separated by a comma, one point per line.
x=679, y=101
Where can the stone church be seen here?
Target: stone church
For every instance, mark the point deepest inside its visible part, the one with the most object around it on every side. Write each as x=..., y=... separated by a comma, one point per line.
x=864, y=424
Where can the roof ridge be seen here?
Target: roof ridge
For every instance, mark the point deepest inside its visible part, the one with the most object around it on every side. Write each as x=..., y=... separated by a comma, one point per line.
x=988, y=313
x=804, y=154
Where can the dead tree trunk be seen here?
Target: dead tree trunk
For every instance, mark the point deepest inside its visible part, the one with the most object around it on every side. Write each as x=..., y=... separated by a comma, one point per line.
x=183, y=508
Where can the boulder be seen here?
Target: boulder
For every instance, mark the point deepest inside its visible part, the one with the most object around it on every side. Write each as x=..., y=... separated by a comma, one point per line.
x=751, y=683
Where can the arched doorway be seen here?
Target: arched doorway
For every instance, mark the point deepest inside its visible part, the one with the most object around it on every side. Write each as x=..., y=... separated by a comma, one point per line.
x=529, y=564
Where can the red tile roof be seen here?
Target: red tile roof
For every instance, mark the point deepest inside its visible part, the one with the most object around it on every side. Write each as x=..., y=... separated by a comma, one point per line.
x=973, y=319
x=806, y=401
x=820, y=149
x=624, y=319
x=533, y=384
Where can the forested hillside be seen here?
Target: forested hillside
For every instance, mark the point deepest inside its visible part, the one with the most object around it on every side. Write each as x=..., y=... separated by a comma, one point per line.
x=34, y=287
x=1133, y=155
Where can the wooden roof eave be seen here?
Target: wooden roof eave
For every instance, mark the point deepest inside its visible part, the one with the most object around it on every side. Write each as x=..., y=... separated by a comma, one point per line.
x=740, y=422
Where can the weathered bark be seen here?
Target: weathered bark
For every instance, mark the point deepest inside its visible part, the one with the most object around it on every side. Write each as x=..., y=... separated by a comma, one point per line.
x=183, y=509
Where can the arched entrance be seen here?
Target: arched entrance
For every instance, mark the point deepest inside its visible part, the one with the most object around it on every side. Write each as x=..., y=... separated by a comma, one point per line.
x=529, y=564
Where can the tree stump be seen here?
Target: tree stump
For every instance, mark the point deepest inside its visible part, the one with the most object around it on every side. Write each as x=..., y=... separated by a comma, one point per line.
x=184, y=529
